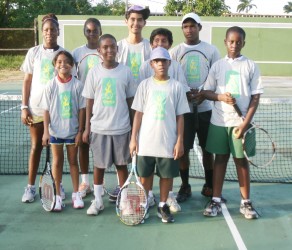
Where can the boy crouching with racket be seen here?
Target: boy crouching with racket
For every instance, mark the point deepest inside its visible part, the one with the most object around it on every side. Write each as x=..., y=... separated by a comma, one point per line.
x=109, y=90
x=232, y=80
x=63, y=123
x=157, y=134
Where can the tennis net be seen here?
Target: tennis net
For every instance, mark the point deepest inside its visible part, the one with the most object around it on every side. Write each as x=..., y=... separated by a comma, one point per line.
x=273, y=114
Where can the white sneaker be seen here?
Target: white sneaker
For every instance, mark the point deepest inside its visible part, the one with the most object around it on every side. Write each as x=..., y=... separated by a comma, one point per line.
x=77, y=201
x=29, y=194
x=174, y=207
x=59, y=205
x=151, y=201
x=63, y=195
x=84, y=189
x=94, y=208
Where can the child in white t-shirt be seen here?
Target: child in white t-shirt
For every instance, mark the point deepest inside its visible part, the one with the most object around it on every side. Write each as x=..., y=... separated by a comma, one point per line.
x=64, y=114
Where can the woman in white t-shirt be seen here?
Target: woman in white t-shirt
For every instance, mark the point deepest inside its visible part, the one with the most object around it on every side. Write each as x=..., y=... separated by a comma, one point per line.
x=39, y=70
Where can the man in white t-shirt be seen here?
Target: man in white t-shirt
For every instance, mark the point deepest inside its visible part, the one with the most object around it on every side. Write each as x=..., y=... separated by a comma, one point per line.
x=134, y=49
x=198, y=121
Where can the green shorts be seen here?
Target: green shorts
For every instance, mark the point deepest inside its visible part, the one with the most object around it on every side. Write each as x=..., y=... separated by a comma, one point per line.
x=165, y=167
x=221, y=141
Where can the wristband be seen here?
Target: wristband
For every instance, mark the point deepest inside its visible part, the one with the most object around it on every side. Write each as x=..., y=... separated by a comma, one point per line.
x=22, y=107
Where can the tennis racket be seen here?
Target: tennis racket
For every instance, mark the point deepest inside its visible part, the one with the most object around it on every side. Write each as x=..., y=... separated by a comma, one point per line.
x=258, y=146
x=86, y=63
x=196, y=66
x=132, y=202
x=47, y=187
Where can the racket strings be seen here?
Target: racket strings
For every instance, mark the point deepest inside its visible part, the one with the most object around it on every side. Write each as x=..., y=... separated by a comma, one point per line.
x=132, y=204
x=258, y=147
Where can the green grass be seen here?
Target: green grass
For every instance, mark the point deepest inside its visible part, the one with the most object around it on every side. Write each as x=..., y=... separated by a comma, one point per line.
x=11, y=62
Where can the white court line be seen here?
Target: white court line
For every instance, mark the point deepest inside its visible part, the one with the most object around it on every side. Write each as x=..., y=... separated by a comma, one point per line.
x=233, y=229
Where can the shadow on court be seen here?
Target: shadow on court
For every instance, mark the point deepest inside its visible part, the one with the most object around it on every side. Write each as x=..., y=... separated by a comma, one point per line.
x=28, y=226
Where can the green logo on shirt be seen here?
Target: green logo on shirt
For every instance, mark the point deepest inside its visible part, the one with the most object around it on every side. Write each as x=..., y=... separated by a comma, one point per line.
x=232, y=83
x=66, y=105
x=108, y=92
x=91, y=61
x=134, y=62
x=159, y=98
x=193, y=69
x=47, y=71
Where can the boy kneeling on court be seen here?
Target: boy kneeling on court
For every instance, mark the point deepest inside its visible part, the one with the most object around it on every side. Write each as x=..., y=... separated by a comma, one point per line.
x=157, y=134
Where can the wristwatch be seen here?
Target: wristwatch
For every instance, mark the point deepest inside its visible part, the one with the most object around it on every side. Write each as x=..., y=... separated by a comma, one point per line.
x=22, y=107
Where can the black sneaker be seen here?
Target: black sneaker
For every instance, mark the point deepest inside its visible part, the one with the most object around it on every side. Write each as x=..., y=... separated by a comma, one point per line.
x=184, y=193
x=164, y=214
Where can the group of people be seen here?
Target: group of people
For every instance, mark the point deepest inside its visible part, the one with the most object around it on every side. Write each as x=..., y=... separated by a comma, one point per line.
x=138, y=97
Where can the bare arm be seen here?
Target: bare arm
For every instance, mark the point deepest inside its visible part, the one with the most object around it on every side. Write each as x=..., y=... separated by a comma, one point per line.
x=89, y=105
x=253, y=105
x=179, y=146
x=81, y=118
x=26, y=116
x=135, y=130
x=131, y=111
x=46, y=135
x=225, y=97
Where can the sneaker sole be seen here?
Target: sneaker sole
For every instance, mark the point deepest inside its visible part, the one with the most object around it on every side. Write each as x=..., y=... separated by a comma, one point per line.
x=248, y=217
x=163, y=220
x=27, y=201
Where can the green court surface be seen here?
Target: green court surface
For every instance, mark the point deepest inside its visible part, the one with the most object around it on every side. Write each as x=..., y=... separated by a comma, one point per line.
x=28, y=226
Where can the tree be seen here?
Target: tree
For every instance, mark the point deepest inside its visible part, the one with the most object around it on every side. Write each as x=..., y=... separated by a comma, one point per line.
x=245, y=5
x=201, y=7
x=118, y=8
x=288, y=8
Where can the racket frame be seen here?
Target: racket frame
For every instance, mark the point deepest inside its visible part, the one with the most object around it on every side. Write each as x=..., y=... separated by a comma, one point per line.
x=257, y=127
x=87, y=55
x=47, y=171
x=126, y=184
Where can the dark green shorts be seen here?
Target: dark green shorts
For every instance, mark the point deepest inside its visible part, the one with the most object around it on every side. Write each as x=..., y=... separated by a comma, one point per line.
x=222, y=141
x=165, y=167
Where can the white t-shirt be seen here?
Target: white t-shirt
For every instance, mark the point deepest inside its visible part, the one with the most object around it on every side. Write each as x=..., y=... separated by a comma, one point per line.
x=38, y=62
x=87, y=63
x=133, y=55
x=110, y=88
x=212, y=55
x=160, y=103
x=175, y=71
x=63, y=101
x=240, y=77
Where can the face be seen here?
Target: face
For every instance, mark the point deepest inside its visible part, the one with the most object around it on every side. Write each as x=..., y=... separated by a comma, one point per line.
x=191, y=31
x=92, y=32
x=50, y=33
x=234, y=42
x=108, y=49
x=63, y=65
x=160, y=41
x=160, y=66
x=135, y=23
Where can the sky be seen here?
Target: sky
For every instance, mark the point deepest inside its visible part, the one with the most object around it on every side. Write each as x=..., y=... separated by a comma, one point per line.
x=263, y=6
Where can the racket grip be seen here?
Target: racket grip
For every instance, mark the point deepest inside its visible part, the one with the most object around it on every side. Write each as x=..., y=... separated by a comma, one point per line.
x=134, y=158
x=238, y=111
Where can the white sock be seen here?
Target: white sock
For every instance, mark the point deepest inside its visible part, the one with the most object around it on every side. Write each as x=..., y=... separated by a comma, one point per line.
x=85, y=178
x=170, y=194
x=98, y=193
x=74, y=195
x=31, y=186
x=150, y=193
x=161, y=204
x=244, y=201
x=216, y=199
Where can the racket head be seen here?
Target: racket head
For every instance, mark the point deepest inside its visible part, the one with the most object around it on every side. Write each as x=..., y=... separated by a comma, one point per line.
x=131, y=205
x=86, y=63
x=196, y=66
x=258, y=147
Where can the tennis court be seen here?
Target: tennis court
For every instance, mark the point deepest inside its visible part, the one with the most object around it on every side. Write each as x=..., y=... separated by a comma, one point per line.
x=28, y=226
